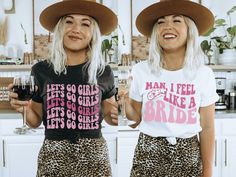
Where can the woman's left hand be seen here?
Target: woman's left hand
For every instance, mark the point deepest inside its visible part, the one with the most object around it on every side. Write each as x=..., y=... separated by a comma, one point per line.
x=110, y=110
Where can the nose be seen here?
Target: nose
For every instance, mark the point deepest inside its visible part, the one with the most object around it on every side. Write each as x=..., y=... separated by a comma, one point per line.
x=168, y=25
x=76, y=28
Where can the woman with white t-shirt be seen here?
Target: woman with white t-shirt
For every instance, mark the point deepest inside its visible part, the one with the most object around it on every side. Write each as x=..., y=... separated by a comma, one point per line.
x=172, y=94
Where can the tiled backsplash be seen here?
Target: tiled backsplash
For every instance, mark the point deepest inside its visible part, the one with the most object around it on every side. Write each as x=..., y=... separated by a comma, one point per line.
x=230, y=79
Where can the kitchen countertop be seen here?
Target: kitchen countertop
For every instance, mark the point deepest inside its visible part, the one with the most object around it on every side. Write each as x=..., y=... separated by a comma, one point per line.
x=224, y=114
x=229, y=114
x=11, y=115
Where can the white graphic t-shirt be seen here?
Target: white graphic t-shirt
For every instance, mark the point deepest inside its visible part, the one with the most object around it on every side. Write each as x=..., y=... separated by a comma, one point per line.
x=170, y=101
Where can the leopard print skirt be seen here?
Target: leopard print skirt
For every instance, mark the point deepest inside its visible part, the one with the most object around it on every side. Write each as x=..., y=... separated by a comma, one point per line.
x=156, y=157
x=88, y=157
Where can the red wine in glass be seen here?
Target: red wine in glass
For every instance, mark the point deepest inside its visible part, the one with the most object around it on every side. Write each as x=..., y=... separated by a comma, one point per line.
x=25, y=92
x=24, y=86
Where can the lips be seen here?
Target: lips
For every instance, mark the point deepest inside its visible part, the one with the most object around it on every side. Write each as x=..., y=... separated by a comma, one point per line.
x=74, y=38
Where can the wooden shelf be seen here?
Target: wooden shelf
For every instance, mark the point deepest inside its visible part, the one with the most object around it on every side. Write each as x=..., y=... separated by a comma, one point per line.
x=223, y=67
x=15, y=67
x=113, y=66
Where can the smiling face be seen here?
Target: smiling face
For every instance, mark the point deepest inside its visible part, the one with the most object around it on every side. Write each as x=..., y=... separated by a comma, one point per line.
x=77, y=33
x=172, y=32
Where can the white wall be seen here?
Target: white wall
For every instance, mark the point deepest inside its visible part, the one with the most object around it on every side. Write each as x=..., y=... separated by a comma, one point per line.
x=124, y=22
x=24, y=15
x=218, y=7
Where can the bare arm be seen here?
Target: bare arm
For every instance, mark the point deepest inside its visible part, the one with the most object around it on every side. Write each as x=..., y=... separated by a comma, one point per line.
x=207, y=138
x=133, y=111
x=34, y=114
x=33, y=109
x=110, y=111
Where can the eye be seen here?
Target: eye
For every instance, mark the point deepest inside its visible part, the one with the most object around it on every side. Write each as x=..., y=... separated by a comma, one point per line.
x=86, y=24
x=177, y=21
x=69, y=22
x=160, y=22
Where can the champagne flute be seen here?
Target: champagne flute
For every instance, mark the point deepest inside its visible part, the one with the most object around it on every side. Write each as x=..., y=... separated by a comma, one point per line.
x=24, y=86
x=123, y=84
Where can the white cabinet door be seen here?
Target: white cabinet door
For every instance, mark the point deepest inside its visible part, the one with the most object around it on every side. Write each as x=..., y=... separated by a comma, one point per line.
x=216, y=167
x=225, y=159
x=217, y=152
x=111, y=139
x=126, y=145
x=229, y=161
x=20, y=155
x=228, y=148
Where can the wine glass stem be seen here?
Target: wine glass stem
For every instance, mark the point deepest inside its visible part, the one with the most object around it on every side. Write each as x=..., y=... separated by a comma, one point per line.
x=123, y=108
x=24, y=116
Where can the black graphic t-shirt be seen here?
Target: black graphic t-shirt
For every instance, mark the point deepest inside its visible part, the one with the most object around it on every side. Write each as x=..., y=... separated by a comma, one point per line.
x=71, y=106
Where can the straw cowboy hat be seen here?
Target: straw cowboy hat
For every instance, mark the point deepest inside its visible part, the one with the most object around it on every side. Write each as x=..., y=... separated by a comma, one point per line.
x=202, y=16
x=106, y=19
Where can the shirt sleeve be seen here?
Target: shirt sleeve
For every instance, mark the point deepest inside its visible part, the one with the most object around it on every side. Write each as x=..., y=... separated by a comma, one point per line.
x=108, y=83
x=134, y=91
x=209, y=95
x=37, y=95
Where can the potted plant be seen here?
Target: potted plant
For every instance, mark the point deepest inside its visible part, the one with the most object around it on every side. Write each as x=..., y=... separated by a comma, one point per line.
x=207, y=50
x=223, y=36
x=109, y=47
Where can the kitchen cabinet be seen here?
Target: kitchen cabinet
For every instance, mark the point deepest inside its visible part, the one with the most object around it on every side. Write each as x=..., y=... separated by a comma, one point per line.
x=126, y=145
x=19, y=153
x=225, y=145
x=111, y=139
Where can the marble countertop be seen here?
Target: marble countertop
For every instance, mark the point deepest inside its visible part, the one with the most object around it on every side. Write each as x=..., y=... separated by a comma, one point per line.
x=225, y=114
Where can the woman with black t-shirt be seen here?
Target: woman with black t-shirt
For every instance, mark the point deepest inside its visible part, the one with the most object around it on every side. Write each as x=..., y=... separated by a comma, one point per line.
x=75, y=91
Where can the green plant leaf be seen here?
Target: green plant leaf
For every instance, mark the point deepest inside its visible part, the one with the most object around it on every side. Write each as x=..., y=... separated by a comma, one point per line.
x=210, y=31
x=231, y=10
x=205, y=46
x=220, y=22
x=105, y=45
x=221, y=50
x=232, y=31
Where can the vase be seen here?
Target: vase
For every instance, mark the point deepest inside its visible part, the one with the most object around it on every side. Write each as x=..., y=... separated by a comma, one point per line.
x=228, y=57
x=27, y=56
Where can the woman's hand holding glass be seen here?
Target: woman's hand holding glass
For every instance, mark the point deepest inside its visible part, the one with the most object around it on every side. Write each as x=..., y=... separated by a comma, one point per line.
x=124, y=80
x=21, y=91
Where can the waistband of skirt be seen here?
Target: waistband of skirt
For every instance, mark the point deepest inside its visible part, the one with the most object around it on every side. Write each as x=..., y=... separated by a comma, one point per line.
x=163, y=137
x=72, y=136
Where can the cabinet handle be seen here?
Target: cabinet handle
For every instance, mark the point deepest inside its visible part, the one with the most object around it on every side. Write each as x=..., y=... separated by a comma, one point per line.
x=3, y=151
x=116, y=150
x=215, y=153
x=226, y=159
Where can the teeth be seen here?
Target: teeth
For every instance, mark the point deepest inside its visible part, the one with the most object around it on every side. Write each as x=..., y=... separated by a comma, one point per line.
x=168, y=36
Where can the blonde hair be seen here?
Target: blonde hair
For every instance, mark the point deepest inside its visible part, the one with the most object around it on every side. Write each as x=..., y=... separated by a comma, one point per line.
x=194, y=57
x=58, y=58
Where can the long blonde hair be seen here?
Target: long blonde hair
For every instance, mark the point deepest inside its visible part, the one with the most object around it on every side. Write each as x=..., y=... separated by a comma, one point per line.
x=194, y=57
x=95, y=65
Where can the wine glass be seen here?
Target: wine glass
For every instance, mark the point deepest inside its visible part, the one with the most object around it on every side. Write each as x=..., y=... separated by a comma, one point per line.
x=24, y=86
x=123, y=84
